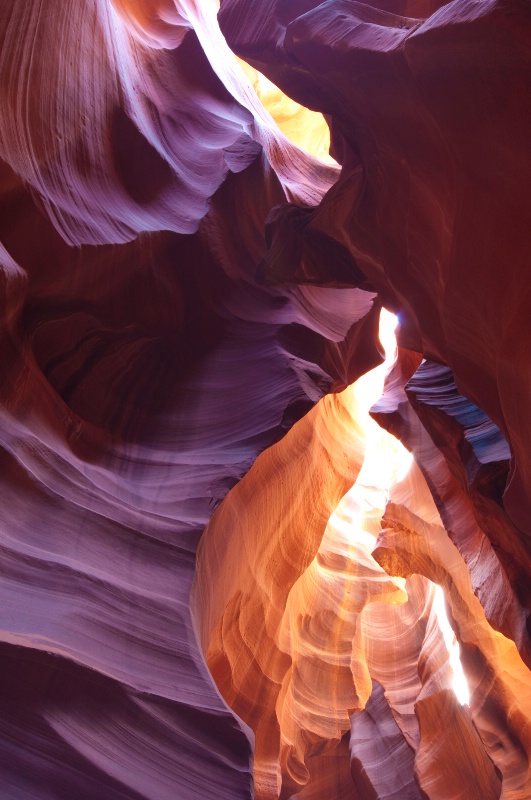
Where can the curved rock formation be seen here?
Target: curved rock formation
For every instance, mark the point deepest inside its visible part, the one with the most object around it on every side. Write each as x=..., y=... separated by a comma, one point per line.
x=189, y=308
x=307, y=650
x=421, y=107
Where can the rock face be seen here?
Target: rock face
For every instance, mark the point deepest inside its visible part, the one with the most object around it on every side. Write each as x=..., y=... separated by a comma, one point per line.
x=217, y=580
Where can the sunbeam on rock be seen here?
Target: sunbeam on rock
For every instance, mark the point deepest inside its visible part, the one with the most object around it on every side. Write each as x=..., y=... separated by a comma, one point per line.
x=243, y=553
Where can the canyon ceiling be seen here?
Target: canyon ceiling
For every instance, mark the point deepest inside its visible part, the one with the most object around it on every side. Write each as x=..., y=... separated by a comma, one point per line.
x=217, y=567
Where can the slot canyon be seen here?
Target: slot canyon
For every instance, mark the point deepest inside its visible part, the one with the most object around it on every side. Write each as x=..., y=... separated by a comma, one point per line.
x=265, y=400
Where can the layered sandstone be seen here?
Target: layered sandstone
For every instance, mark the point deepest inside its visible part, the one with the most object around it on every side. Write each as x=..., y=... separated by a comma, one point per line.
x=218, y=579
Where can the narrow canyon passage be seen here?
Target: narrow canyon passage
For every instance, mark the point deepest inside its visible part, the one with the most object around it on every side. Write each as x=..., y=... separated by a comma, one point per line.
x=228, y=529
x=321, y=645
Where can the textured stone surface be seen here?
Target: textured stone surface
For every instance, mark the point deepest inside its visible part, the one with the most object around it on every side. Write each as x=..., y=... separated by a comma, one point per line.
x=217, y=582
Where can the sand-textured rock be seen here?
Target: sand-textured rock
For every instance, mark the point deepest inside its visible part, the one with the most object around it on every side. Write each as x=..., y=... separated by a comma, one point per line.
x=218, y=562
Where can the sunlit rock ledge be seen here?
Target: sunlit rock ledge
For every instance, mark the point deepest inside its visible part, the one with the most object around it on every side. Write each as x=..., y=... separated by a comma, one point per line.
x=242, y=555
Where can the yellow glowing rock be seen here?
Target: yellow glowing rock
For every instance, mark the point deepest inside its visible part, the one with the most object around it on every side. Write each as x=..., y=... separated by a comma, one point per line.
x=305, y=128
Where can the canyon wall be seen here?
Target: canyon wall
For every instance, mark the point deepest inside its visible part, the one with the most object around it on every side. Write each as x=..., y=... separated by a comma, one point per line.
x=217, y=579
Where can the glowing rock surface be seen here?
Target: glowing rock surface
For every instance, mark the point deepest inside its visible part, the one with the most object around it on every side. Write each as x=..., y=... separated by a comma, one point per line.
x=217, y=577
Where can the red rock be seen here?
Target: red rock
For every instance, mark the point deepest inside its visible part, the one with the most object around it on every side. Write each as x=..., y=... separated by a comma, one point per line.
x=194, y=603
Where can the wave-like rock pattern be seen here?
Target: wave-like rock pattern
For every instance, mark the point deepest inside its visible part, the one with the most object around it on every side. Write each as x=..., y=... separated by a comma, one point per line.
x=436, y=166
x=143, y=371
x=303, y=604
x=501, y=712
x=467, y=493
x=179, y=287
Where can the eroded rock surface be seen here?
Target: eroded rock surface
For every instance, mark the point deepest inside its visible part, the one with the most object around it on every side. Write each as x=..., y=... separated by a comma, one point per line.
x=181, y=286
